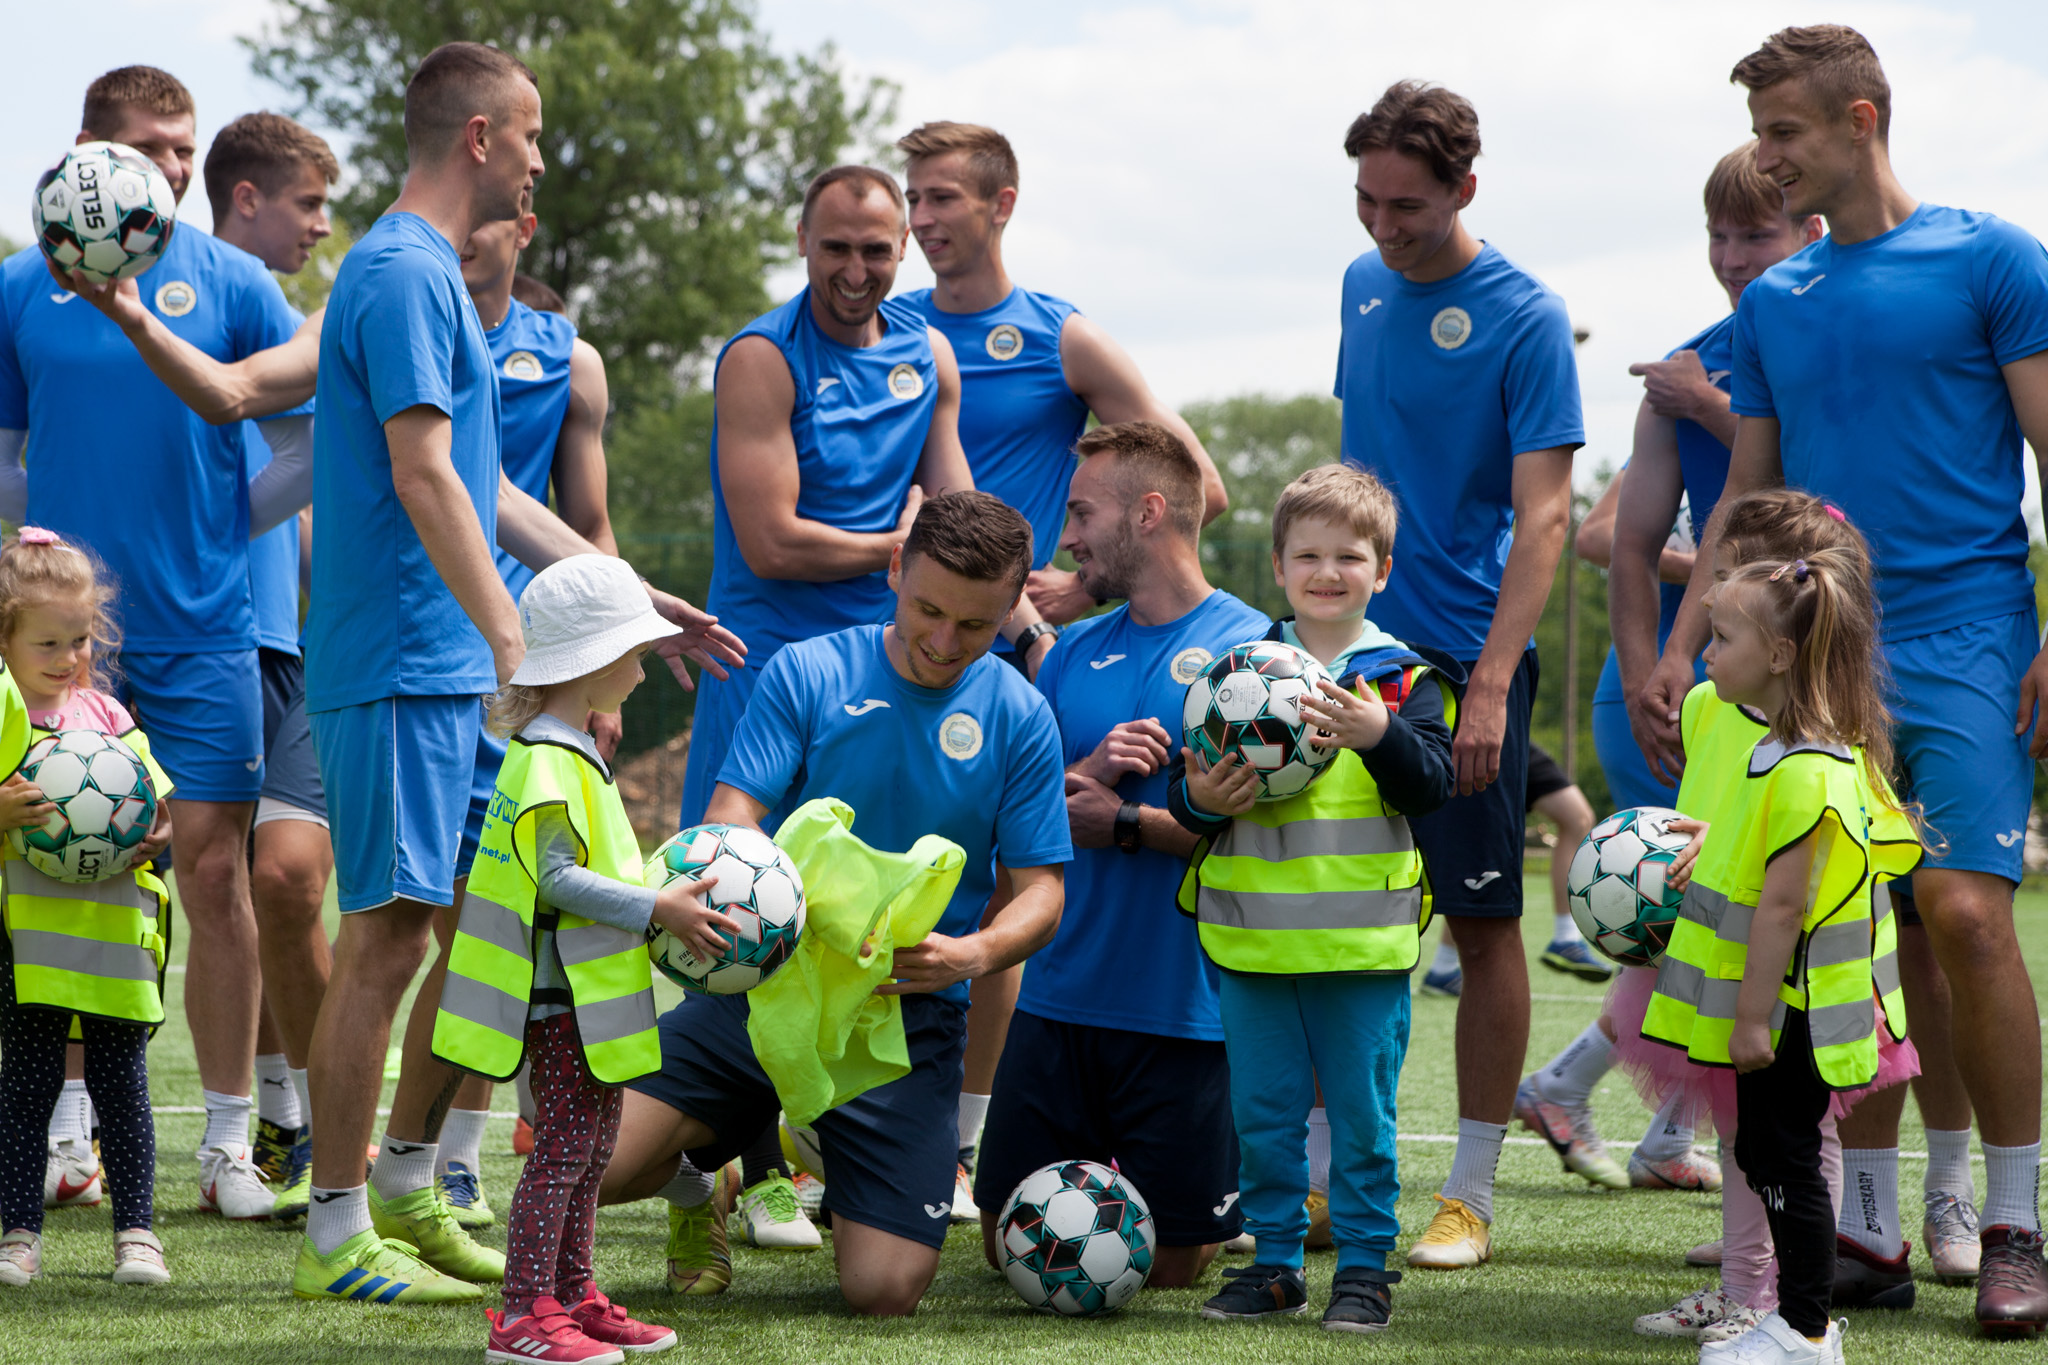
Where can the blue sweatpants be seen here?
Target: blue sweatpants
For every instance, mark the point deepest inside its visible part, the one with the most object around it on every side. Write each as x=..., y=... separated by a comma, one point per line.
x=1283, y=1035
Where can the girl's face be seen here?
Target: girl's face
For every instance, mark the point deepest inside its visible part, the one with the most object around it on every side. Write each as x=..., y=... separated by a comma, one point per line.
x=610, y=687
x=1747, y=666
x=50, y=650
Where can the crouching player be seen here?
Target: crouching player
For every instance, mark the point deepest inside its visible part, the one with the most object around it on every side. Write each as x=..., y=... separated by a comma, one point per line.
x=1313, y=908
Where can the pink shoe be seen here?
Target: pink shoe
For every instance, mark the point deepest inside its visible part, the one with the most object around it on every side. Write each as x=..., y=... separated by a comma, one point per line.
x=602, y=1320
x=546, y=1334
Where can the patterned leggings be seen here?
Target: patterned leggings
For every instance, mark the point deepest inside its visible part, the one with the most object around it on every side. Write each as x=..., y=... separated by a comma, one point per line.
x=554, y=1210
x=32, y=1043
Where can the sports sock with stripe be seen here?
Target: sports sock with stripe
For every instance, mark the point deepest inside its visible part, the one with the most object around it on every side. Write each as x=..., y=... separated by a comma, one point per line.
x=301, y=1087
x=1565, y=929
x=72, y=1118
x=1869, y=1215
x=227, y=1121
x=403, y=1167
x=462, y=1140
x=334, y=1216
x=1948, y=1164
x=275, y=1098
x=2012, y=1187
x=1471, y=1178
x=1666, y=1139
x=1319, y=1150
x=1572, y=1074
x=973, y=1112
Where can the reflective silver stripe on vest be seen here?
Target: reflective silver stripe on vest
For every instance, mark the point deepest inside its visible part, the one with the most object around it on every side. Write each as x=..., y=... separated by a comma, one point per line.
x=1315, y=839
x=1836, y=1025
x=1703, y=905
x=484, y=1005
x=1884, y=973
x=1831, y=945
x=485, y=919
x=607, y=1021
x=1681, y=981
x=121, y=890
x=586, y=943
x=85, y=956
x=1309, y=910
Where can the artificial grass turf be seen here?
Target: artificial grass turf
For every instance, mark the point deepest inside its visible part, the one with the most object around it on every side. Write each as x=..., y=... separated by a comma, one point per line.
x=1573, y=1265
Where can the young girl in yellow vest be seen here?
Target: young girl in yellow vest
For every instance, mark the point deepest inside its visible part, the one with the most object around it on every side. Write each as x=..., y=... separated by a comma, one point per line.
x=1312, y=908
x=1777, y=967
x=549, y=967
x=94, y=953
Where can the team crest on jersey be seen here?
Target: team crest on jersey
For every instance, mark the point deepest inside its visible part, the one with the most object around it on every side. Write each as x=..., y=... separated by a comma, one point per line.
x=523, y=365
x=176, y=298
x=1451, y=328
x=1188, y=664
x=905, y=382
x=960, y=736
x=1004, y=343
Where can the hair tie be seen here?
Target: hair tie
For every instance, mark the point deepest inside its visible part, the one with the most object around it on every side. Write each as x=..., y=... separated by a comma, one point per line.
x=1837, y=513
x=36, y=535
x=1797, y=568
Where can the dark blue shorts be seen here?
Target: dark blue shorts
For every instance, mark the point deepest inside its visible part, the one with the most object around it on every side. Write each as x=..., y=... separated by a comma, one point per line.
x=291, y=771
x=1472, y=845
x=1158, y=1107
x=890, y=1155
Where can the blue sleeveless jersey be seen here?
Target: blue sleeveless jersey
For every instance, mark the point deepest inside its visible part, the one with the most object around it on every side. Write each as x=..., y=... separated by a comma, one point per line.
x=1018, y=418
x=530, y=351
x=273, y=561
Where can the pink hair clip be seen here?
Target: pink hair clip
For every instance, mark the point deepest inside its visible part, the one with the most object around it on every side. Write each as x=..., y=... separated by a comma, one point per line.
x=36, y=535
x=1837, y=513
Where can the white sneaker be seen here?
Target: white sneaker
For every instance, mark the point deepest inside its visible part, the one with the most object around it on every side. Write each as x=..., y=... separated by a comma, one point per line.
x=139, y=1258
x=810, y=1194
x=1773, y=1342
x=1244, y=1244
x=771, y=1217
x=231, y=1186
x=1950, y=1236
x=964, y=1209
x=71, y=1179
x=1689, y=1315
x=21, y=1257
x=1732, y=1326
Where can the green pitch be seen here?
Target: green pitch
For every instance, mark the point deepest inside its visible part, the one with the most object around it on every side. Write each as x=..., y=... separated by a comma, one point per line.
x=1573, y=1265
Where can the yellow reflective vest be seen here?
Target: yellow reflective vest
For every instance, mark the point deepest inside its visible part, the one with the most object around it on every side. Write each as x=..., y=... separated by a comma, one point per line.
x=1328, y=881
x=94, y=948
x=488, y=994
x=1844, y=970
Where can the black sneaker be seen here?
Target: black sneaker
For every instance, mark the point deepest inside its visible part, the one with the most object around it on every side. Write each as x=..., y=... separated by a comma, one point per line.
x=1863, y=1280
x=1361, y=1300
x=1259, y=1291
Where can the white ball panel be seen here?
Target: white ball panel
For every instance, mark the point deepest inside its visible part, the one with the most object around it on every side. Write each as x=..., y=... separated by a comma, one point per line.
x=1069, y=1215
x=1241, y=697
x=1039, y=1186
x=1105, y=1257
x=1620, y=854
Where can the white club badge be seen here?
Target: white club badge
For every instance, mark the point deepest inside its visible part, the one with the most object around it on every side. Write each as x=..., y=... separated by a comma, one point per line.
x=905, y=382
x=523, y=365
x=1451, y=328
x=175, y=298
x=960, y=736
x=1188, y=664
x=1004, y=342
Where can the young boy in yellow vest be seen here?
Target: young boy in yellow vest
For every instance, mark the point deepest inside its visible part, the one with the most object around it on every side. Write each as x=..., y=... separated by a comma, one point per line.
x=1313, y=909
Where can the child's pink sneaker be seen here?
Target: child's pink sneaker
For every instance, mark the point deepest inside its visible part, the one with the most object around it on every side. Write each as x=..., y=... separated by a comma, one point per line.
x=546, y=1334
x=602, y=1320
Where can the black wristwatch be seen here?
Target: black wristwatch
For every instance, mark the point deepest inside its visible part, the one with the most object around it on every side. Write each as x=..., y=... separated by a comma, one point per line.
x=1127, y=832
x=1028, y=636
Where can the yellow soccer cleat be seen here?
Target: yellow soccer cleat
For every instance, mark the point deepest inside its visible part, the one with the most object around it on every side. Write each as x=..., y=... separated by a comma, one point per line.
x=368, y=1269
x=1319, y=1237
x=1456, y=1238
x=423, y=1221
x=699, y=1257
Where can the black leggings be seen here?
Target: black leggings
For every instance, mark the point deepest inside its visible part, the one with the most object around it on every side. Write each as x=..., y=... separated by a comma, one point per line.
x=1777, y=1141
x=32, y=1043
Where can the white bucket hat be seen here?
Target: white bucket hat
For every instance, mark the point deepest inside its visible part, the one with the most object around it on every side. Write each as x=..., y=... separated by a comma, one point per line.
x=582, y=614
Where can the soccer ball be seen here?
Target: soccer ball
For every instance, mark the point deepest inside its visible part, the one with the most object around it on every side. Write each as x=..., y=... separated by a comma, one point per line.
x=1075, y=1239
x=105, y=211
x=801, y=1149
x=757, y=885
x=1617, y=888
x=105, y=803
x=1248, y=702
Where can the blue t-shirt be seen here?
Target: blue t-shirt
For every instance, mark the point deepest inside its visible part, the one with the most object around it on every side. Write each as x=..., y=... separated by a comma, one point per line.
x=978, y=762
x=1443, y=384
x=1880, y=360
x=117, y=462
x=273, y=560
x=860, y=421
x=400, y=332
x=1702, y=459
x=1125, y=957
x=1018, y=418
x=531, y=350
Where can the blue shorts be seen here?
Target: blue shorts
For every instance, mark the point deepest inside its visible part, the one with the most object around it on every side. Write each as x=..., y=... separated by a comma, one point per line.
x=204, y=717
x=1955, y=695
x=291, y=774
x=483, y=782
x=397, y=773
x=1472, y=845
x=1629, y=782
x=719, y=708
x=891, y=1155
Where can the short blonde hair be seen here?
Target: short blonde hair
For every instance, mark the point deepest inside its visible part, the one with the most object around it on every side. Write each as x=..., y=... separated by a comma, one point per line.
x=1344, y=495
x=1737, y=192
x=512, y=707
x=991, y=162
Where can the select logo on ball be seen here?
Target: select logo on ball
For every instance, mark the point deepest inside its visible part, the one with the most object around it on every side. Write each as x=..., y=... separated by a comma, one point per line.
x=175, y=298
x=905, y=382
x=1004, y=342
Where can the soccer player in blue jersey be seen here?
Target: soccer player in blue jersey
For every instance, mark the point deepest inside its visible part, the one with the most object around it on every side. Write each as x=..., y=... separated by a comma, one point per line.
x=1461, y=393
x=1893, y=368
x=1116, y=1048
x=189, y=655
x=920, y=733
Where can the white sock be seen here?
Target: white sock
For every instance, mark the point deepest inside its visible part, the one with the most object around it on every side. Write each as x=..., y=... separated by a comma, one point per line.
x=1666, y=1139
x=1471, y=1178
x=1572, y=1074
x=1565, y=929
x=403, y=1167
x=305, y=1097
x=72, y=1118
x=973, y=1113
x=1948, y=1164
x=689, y=1187
x=462, y=1140
x=1446, y=957
x=334, y=1216
x=1319, y=1150
x=2012, y=1187
x=227, y=1121
x=275, y=1098
x=1870, y=1200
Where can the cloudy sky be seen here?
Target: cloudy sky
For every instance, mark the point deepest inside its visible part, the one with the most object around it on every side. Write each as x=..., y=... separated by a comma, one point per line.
x=1183, y=178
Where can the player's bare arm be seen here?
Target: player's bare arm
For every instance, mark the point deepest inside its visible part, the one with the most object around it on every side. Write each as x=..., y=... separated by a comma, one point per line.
x=1091, y=819
x=1679, y=389
x=2027, y=383
x=423, y=475
x=1023, y=926
x=757, y=468
x=1650, y=495
x=1541, y=493
x=579, y=478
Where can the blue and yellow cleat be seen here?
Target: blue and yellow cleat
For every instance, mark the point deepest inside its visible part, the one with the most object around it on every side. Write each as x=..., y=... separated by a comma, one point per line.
x=368, y=1269
x=1574, y=957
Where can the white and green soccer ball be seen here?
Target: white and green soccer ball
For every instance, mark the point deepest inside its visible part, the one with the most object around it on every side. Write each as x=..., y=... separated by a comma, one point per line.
x=1075, y=1238
x=1618, y=885
x=1248, y=702
x=758, y=885
x=106, y=211
x=105, y=803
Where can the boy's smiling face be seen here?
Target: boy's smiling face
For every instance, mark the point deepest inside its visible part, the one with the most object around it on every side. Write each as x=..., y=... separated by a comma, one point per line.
x=1330, y=571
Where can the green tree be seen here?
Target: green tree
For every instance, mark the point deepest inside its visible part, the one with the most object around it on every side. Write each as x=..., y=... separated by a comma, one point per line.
x=1259, y=444
x=307, y=290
